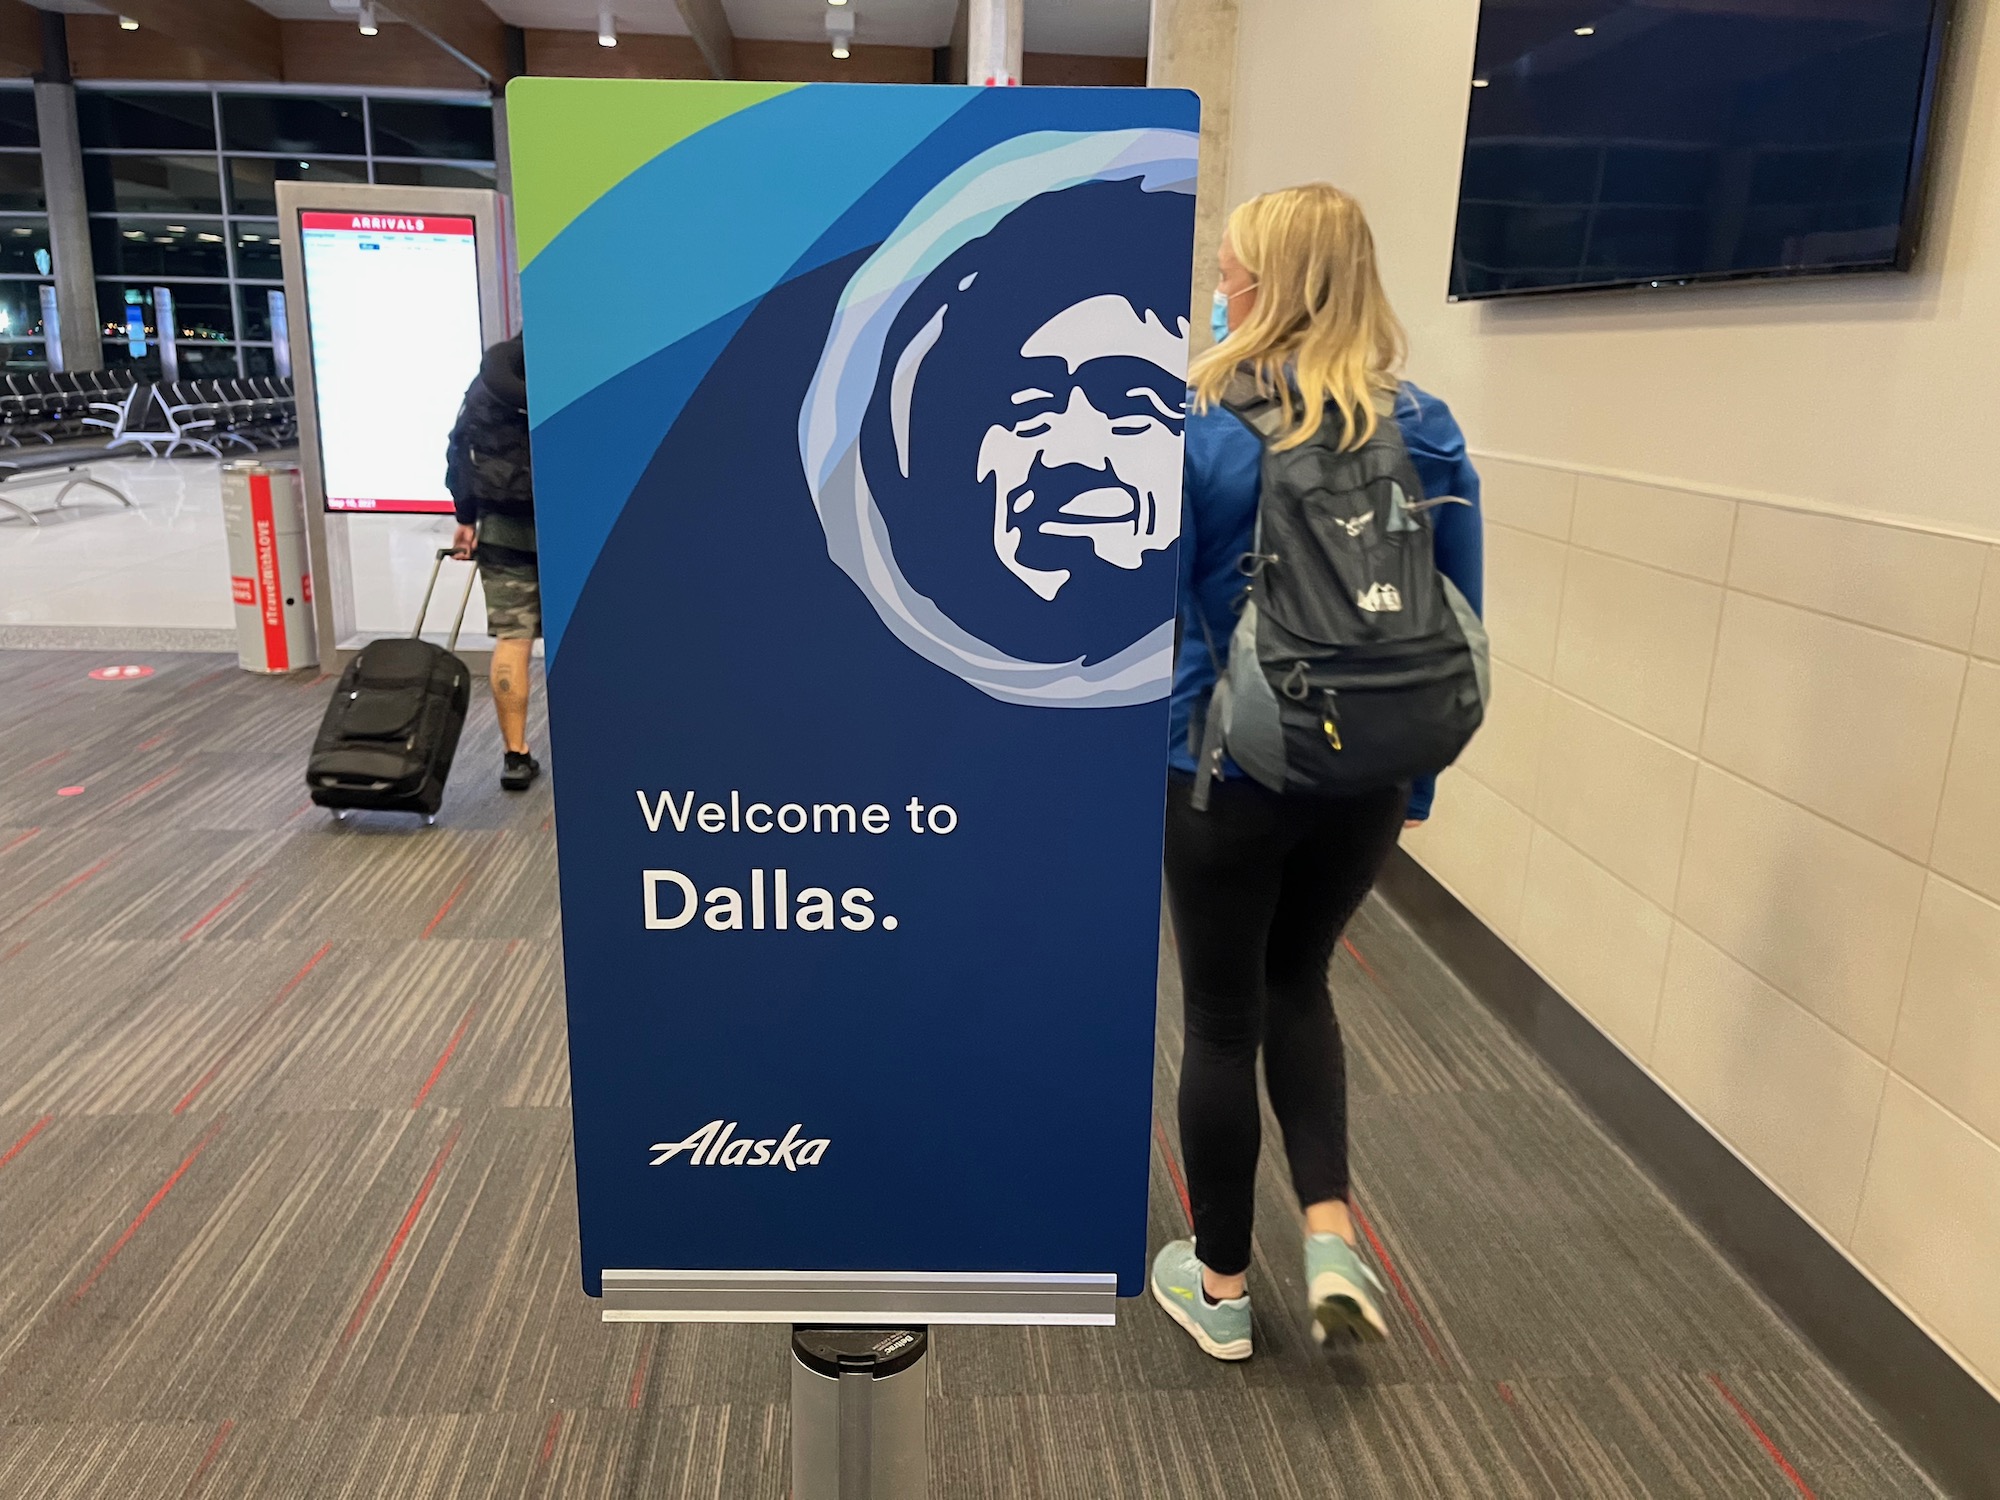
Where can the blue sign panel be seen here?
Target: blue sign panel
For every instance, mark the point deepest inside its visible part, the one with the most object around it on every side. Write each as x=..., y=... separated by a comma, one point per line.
x=857, y=418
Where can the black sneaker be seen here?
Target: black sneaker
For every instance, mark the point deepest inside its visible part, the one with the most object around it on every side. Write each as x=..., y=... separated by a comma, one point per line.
x=520, y=771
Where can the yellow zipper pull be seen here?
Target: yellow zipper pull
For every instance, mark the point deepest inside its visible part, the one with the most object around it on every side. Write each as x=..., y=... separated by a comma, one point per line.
x=1327, y=723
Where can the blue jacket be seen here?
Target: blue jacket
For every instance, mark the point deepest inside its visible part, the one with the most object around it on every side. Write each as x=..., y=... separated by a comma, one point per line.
x=1224, y=462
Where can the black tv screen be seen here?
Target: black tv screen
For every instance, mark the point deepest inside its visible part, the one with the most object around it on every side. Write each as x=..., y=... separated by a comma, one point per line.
x=1642, y=142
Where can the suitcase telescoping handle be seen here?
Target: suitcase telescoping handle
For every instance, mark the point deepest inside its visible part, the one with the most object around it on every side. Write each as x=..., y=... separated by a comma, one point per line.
x=430, y=588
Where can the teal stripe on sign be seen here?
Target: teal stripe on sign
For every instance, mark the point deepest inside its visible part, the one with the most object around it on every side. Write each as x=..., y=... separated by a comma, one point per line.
x=707, y=226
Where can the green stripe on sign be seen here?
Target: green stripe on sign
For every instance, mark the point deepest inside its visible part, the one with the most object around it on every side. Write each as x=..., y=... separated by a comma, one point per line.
x=572, y=140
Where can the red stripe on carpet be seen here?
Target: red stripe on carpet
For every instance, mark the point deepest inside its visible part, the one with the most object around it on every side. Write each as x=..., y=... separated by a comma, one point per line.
x=1402, y=1291
x=1355, y=953
x=147, y=1212
x=1771, y=1448
x=200, y=1475
x=155, y=742
x=638, y=1391
x=45, y=762
x=19, y=840
x=1173, y=1169
x=137, y=792
x=66, y=887
x=255, y=1021
x=216, y=910
x=20, y=947
x=549, y=1439
x=22, y=1144
x=444, y=1057
x=445, y=910
x=402, y=1235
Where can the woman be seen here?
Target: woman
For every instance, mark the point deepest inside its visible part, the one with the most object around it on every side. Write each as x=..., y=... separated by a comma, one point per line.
x=1261, y=884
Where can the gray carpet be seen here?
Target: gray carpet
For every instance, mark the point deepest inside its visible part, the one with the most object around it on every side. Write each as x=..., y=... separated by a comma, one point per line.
x=285, y=1199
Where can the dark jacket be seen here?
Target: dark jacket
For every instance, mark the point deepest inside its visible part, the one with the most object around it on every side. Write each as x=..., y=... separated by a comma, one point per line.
x=486, y=461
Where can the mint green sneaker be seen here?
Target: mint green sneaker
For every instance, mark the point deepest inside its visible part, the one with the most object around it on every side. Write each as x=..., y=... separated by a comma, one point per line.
x=1221, y=1328
x=1342, y=1293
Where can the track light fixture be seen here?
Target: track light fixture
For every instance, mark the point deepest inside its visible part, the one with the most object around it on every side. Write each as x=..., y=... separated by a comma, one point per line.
x=367, y=17
x=607, y=27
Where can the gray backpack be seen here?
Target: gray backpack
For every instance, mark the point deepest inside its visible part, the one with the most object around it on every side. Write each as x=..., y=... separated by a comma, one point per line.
x=1355, y=664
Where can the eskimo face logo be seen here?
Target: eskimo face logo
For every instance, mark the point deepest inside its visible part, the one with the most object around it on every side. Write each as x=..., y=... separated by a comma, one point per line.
x=1090, y=462
x=993, y=438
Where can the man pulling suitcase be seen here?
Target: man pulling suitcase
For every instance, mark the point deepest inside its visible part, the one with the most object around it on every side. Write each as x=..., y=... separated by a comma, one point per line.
x=487, y=472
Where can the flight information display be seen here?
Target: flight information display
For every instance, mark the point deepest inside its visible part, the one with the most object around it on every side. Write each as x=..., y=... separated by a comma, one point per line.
x=392, y=315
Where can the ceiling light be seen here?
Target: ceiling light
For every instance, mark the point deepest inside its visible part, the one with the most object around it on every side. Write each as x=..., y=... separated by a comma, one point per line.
x=1586, y=31
x=126, y=23
x=840, y=30
x=1480, y=83
x=607, y=28
x=836, y=2
x=368, y=26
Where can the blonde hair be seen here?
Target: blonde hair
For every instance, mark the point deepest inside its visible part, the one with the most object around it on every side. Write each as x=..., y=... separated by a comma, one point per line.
x=1320, y=314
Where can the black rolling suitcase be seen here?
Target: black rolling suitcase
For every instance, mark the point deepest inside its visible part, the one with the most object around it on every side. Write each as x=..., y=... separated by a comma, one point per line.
x=390, y=732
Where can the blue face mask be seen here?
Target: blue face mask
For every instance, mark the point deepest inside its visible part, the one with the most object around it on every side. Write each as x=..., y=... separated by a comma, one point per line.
x=1218, y=316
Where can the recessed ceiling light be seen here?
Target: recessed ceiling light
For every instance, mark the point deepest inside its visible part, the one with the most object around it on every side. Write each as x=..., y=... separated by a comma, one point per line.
x=1480, y=83
x=126, y=23
x=1586, y=31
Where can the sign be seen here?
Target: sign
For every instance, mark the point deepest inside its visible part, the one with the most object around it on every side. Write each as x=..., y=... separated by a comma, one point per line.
x=857, y=421
x=392, y=318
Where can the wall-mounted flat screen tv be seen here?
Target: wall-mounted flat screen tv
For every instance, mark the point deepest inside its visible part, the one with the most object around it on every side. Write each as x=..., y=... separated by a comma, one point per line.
x=1641, y=142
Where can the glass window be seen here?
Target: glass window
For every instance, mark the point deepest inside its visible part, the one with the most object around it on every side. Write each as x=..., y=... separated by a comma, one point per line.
x=24, y=356
x=20, y=310
x=119, y=356
x=201, y=310
x=17, y=118
x=24, y=244
x=258, y=359
x=257, y=249
x=423, y=174
x=147, y=122
x=253, y=304
x=292, y=123
x=21, y=181
x=158, y=247
x=416, y=127
x=253, y=180
x=151, y=184
x=205, y=361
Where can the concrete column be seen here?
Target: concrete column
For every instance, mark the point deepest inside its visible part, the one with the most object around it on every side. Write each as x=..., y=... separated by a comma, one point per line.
x=993, y=42
x=69, y=218
x=1193, y=46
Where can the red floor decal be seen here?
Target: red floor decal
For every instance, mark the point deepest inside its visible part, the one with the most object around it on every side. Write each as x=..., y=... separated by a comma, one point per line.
x=120, y=674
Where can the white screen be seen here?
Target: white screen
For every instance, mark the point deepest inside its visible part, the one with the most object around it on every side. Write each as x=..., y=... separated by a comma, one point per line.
x=392, y=307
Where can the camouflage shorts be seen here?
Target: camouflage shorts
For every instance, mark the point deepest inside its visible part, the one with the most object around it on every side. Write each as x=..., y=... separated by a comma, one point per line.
x=513, y=603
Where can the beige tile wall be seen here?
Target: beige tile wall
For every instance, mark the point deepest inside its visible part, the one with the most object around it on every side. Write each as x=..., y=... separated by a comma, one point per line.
x=1739, y=801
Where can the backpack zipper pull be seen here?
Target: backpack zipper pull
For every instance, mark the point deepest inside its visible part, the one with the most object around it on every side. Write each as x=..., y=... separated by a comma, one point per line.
x=1329, y=721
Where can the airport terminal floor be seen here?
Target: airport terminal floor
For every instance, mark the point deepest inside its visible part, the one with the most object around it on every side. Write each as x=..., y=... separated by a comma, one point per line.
x=286, y=1203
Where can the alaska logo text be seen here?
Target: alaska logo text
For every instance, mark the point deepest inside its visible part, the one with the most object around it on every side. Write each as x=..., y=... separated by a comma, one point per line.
x=716, y=1144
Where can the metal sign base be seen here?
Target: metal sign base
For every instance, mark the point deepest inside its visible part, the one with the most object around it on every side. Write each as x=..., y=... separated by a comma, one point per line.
x=860, y=1413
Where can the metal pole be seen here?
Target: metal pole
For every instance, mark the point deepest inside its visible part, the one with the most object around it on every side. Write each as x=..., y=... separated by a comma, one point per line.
x=993, y=42
x=860, y=1414
x=69, y=215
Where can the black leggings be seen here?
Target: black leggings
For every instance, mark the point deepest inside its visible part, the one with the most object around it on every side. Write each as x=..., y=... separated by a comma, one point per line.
x=1261, y=886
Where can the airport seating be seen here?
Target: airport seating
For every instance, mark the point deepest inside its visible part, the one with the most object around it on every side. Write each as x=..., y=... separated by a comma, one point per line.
x=166, y=418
